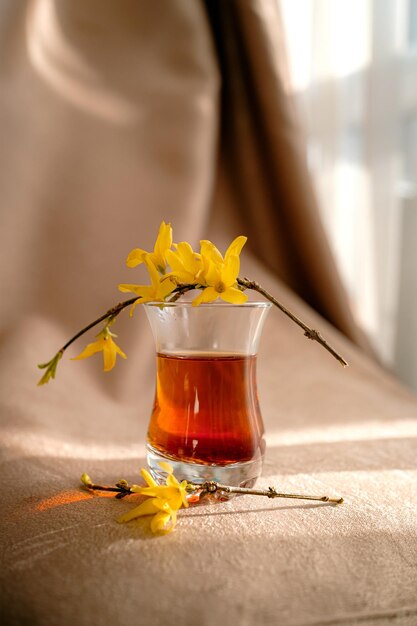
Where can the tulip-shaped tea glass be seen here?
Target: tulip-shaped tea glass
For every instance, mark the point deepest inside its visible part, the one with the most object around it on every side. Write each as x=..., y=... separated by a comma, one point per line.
x=206, y=421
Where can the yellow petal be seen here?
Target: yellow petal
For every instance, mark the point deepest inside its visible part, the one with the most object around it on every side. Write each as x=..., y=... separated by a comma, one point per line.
x=209, y=251
x=163, y=492
x=181, y=276
x=134, y=305
x=109, y=355
x=166, y=286
x=236, y=246
x=91, y=348
x=209, y=294
x=175, y=502
x=164, y=239
x=234, y=296
x=135, y=257
x=191, y=260
x=171, y=481
x=213, y=273
x=161, y=520
x=162, y=244
x=148, y=478
x=145, y=508
x=153, y=272
x=175, y=261
x=139, y=290
x=230, y=270
x=186, y=253
x=119, y=351
x=145, y=293
x=161, y=504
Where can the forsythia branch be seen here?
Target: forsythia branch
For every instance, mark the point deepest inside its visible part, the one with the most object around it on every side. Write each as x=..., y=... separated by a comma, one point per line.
x=243, y=283
x=162, y=501
x=310, y=333
x=174, y=269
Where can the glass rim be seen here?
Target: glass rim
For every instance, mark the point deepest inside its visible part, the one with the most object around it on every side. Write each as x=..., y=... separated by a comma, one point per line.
x=207, y=305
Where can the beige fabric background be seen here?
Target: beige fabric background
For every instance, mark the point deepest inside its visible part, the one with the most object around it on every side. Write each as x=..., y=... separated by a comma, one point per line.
x=112, y=118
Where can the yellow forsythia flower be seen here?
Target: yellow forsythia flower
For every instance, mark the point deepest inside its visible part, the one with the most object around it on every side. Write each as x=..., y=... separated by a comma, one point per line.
x=163, y=501
x=158, y=256
x=210, y=254
x=186, y=264
x=156, y=292
x=106, y=345
x=220, y=275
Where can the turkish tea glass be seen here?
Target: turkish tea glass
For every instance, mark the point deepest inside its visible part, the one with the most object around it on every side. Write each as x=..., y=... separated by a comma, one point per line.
x=206, y=420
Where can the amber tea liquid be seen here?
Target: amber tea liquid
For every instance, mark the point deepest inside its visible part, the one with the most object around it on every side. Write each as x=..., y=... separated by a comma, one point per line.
x=206, y=409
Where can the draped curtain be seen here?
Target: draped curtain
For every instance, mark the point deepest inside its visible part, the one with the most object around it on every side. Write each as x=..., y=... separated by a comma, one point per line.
x=354, y=73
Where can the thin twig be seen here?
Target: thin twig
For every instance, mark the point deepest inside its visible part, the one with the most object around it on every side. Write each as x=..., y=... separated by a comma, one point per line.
x=106, y=488
x=271, y=492
x=121, y=489
x=111, y=313
x=181, y=290
x=310, y=333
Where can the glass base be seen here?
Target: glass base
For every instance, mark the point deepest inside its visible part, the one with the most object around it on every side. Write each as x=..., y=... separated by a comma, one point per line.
x=236, y=474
